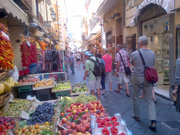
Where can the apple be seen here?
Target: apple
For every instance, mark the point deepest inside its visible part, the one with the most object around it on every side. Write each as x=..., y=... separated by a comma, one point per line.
x=78, y=127
x=86, y=110
x=64, y=132
x=81, y=104
x=84, y=116
x=64, y=120
x=83, y=129
x=68, y=123
x=62, y=114
x=74, y=132
x=75, y=117
x=36, y=126
x=68, y=127
x=68, y=110
x=74, y=112
x=59, y=133
x=73, y=125
x=70, y=131
x=87, y=126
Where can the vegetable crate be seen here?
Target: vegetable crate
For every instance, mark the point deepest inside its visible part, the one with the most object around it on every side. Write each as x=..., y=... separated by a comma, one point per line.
x=24, y=91
x=62, y=94
x=44, y=94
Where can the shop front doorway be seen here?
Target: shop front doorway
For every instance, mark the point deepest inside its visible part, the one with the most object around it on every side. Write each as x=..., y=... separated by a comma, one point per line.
x=157, y=31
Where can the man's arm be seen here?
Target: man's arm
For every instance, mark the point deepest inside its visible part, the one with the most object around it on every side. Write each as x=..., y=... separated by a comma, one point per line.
x=86, y=70
x=86, y=73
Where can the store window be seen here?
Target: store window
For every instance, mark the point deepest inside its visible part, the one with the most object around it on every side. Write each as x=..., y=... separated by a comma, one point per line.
x=178, y=41
x=157, y=31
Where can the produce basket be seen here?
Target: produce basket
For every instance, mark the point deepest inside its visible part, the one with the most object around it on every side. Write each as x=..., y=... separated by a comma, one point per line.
x=44, y=94
x=24, y=91
x=74, y=93
x=62, y=94
x=4, y=99
x=62, y=90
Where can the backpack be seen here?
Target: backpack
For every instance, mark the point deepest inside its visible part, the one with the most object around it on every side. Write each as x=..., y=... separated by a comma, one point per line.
x=99, y=69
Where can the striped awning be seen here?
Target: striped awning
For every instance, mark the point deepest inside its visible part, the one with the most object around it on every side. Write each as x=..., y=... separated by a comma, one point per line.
x=14, y=9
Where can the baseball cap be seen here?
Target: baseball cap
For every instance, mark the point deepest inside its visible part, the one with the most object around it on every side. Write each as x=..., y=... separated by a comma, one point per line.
x=87, y=53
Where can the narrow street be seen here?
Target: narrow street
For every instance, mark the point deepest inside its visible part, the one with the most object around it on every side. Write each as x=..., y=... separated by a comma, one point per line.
x=119, y=103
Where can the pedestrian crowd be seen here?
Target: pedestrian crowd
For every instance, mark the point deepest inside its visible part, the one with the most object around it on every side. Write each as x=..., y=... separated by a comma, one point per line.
x=130, y=69
x=136, y=68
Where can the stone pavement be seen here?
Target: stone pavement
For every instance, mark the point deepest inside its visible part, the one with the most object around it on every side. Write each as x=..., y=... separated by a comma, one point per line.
x=119, y=103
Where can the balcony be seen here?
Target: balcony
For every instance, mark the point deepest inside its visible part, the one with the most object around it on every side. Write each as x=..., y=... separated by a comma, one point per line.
x=24, y=4
x=93, y=22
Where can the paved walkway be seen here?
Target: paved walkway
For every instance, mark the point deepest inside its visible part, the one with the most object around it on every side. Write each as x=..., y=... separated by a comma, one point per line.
x=119, y=103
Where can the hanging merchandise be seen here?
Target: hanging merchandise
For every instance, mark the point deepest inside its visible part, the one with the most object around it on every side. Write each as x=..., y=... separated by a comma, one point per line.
x=6, y=51
x=29, y=54
x=52, y=60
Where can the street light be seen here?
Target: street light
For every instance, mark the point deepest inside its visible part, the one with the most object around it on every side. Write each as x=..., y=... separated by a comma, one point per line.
x=53, y=16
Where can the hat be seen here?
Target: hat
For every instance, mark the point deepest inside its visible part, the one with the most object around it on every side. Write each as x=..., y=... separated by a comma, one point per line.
x=87, y=53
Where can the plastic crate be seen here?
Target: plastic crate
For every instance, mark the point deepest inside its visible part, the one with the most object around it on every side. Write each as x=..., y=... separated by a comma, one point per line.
x=62, y=94
x=43, y=95
x=24, y=91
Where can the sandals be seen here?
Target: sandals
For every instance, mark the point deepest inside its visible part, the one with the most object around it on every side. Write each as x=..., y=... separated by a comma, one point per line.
x=136, y=118
x=117, y=91
x=152, y=126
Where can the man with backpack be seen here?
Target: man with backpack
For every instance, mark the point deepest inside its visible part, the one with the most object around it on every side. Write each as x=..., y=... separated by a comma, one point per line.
x=95, y=69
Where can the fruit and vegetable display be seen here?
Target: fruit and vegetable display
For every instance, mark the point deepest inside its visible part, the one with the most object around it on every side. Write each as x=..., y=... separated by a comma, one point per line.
x=15, y=108
x=43, y=83
x=5, y=86
x=6, y=124
x=42, y=114
x=28, y=80
x=62, y=86
x=6, y=51
x=37, y=129
x=79, y=88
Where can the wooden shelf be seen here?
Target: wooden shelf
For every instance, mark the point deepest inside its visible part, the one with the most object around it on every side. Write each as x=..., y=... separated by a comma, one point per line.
x=25, y=84
x=41, y=88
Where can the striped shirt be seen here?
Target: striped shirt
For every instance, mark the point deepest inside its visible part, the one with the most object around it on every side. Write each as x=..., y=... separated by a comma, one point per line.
x=125, y=57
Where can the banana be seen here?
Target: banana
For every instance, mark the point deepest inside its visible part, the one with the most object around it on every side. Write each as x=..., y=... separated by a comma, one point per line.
x=7, y=88
x=1, y=88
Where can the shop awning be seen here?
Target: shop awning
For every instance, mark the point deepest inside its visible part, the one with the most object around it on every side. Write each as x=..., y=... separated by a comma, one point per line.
x=14, y=9
x=168, y=6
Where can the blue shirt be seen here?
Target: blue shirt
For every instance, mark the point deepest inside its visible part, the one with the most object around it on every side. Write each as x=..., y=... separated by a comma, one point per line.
x=102, y=61
x=71, y=58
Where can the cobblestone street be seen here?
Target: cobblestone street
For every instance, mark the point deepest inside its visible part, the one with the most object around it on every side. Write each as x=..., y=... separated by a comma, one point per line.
x=119, y=103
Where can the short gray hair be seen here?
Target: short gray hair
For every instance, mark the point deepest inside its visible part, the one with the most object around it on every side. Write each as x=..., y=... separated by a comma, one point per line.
x=143, y=40
x=119, y=46
x=107, y=50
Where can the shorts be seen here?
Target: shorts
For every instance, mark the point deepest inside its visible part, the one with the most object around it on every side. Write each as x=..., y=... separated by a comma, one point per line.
x=109, y=76
x=95, y=84
x=123, y=78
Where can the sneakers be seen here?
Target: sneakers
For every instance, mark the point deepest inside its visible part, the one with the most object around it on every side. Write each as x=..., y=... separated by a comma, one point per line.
x=152, y=126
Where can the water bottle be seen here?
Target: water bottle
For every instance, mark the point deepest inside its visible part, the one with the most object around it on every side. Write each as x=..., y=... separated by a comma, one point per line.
x=93, y=121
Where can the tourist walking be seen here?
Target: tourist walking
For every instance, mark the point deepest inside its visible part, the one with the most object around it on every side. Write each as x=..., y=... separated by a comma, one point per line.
x=94, y=81
x=78, y=59
x=103, y=76
x=108, y=67
x=140, y=82
x=122, y=60
x=71, y=63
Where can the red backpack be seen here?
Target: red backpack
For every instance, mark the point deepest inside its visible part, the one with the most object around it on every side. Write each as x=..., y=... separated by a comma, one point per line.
x=150, y=73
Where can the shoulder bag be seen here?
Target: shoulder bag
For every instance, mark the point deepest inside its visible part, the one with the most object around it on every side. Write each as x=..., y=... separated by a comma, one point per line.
x=150, y=73
x=126, y=68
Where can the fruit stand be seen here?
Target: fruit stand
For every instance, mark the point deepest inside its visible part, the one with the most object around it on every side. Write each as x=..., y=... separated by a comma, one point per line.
x=79, y=89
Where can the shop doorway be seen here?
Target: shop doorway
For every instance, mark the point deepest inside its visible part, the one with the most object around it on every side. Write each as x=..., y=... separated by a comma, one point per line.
x=157, y=31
